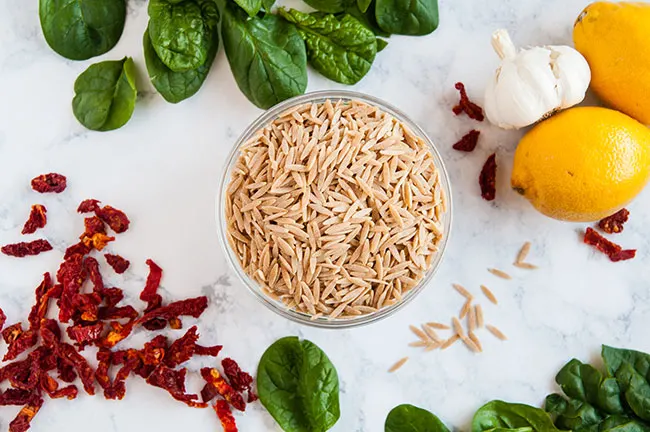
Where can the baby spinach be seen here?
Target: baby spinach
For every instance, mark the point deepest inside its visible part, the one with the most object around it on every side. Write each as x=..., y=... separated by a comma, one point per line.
x=499, y=416
x=252, y=7
x=585, y=383
x=267, y=56
x=632, y=371
x=79, y=30
x=177, y=86
x=339, y=47
x=407, y=17
x=409, y=418
x=105, y=95
x=268, y=5
x=572, y=414
x=299, y=386
x=330, y=6
x=367, y=18
x=180, y=32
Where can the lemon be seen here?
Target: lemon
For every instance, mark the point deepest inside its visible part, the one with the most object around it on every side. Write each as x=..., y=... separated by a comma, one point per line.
x=615, y=40
x=583, y=164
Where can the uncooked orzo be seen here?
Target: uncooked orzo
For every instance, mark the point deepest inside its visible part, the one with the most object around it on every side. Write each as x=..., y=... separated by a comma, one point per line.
x=335, y=208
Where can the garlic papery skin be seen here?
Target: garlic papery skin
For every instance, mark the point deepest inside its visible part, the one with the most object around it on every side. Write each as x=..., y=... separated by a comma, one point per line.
x=534, y=83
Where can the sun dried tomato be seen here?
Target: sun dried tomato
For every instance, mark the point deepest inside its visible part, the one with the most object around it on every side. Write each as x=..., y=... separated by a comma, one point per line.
x=22, y=421
x=25, y=341
x=252, y=397
x=182, y=349
x=86, y=374
x=614, y=224
x=213, y=377
x=42, y=294
x=612, y=250
x=113, y=313
x=70, y=392
x=49, y=183
x=94, y=235
x=488, y=178
x=11, y=333
x=84, y=335
x=155, y=324
x=212, y=351
x=66, y=371
x=50, y=333
x=118, y=263
x=3, y=319
x=97, y=241
x=88, y=206
x=15, y=397
x=175, y=324
x=468, y=142
x=114, y=218
x=104, y=358
x=174, y=382
x=225, y=416
x=150, y=292
x=72, y=275
x=76, y=249
x=472, y=110
x=239, y=380
x=208, y=392
x=117, y=334
x=37, y=219
x=22, y=249
x=193, y=307
x=154, y=352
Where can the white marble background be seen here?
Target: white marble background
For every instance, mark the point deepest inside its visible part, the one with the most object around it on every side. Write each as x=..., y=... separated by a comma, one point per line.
x=162, y=168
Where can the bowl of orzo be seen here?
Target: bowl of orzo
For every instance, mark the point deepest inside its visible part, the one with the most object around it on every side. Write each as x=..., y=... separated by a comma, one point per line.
x=334, y=209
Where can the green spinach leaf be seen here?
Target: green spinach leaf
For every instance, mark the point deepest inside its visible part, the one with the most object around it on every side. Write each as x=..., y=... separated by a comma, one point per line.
x=409, y=418
x=632, y=371
x=572, y=414
x=105, y=95
x=331, y=6
x=268, y=5
x=587, y=384
x=179, y=33
x=381, y=44
x=499, y=416
x=252, y=7
x=299, y=386
x=367, y=18
x=79, y=30
x=620, y=423
x=267, y=56
x=340, y=48
x=363, y=5
x=407, y=17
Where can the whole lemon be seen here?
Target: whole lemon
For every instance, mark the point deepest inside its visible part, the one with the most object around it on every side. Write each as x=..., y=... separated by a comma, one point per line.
x=582, y=164
x=615, y=40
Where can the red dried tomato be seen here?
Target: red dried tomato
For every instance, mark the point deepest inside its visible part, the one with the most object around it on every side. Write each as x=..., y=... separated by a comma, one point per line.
x=154, y=352
x=71, y=275
x=70, y=392
x=49, y=183
x=117, y=334
x=182, y=349
x=11, y=333
x=22, y=421
x=212, y=351
x=472, y=110
x=488, y=178
x=104, y=358
x=150, y=292
x=193, y=307
x=208, y=392
x=22, y=343
x=84, y=335
x=42, y=294
x=118, y=263
x=3, y=319
x=37, y=219
x=22, y=249
x=155, y=324
x=95, y=234
x=113, y=313
x=88, y=206
x=114, y=218
x=239, y=380
x=98, y=241
x=174, y=382
x=612, y=250
x=214, y=378
x=86, y=374
x=15, y=397
x=614, y=224
x=225, y=416
x=468, y=142
x=76, y=249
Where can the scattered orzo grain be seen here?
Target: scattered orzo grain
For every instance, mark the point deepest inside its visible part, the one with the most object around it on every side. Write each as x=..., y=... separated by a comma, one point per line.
x=476, y=341
x=500, y=273
x=398, y=365
x=458, y=327
x=449, y=342
x=431, y=333
x=419, y=344
x=489, y=294
x=479, y=316
x=465, y=309
x=471, y=320
x=419, y=333
x=438, y=326
x=526, y=266
x=470, y=344
x=463, y=291
x=523, y=253
x=335, y=208
x=496, y=332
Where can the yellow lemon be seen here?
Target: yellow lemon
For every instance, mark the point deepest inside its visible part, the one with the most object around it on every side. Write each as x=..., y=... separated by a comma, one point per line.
x=615, y=40
x=583, y=164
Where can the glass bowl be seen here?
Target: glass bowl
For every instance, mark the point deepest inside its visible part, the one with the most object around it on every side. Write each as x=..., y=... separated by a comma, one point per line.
x=276, y=305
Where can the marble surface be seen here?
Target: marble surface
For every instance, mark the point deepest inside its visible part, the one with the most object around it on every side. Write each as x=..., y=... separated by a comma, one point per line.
x=163, y=167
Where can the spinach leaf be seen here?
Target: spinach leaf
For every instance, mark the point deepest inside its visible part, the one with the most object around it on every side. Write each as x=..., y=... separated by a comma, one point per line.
x=177, y=86
x=105, y=95
x=267, y=56
x=340, y=48
x=179, y=33
x=499, y=416
x=632, y=371
x=252, y=7
x=331, y=6
x=409, y=418
x=268, y=5
x=367, y=18
x=407, y=17
x=363, y=5
x=79, y=30
x=587, y=384
x=299, y=386
x=619, y=423
x=381, y=44
x=572, y=414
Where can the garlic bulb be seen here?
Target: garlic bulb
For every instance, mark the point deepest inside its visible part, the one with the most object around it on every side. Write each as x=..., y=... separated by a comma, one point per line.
x=533, y=83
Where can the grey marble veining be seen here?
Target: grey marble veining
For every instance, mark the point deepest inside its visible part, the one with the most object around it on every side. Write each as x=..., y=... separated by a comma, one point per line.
x=163, y=167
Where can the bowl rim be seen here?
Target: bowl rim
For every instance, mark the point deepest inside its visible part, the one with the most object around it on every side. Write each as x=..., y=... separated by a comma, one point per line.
x=276, y=305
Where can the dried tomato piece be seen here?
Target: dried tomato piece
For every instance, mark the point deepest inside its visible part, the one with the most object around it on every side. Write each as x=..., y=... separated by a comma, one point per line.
x=614, y=224
x=208, y=392
x=612, y=250
x=85, y=335
x=22, y=343
x=468, y=142
x=193, y=307
x=37, y=219
x=154, y=352
x=155, y=324
x=117, y=334
x=118, y=263
x=211, y=351
x=225, y=416
x=42, y=294
x=150, y=292
x=182, y=349
x=214, y=378
x=86, y=374
x=3, y=319
x=104, y=358
x=72, y=275
x=22, y=421
x=70, y=392
x=23, y=249
x=51, y=182
x=472, y=110
x=174, y=382
x=113, y=313
x=488, y=178
x=95, y=234
x=112, y=296
x=114, y=218
x=50, y=332
x=15, y=397
x=66, y=371
x=175, y=324
x=88, y=206
x=239, y=380
x=11, y=333
x=77, y=249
